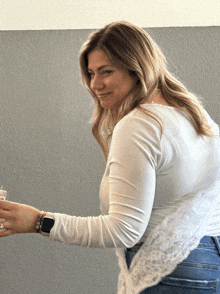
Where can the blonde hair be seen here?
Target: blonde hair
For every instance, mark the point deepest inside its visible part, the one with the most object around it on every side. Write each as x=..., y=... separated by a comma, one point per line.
x=132, y=49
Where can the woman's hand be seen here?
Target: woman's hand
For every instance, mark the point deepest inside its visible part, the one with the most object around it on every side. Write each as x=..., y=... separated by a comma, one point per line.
x=19, y=218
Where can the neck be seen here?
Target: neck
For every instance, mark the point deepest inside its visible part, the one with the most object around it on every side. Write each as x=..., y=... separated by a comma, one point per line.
x=158, y=98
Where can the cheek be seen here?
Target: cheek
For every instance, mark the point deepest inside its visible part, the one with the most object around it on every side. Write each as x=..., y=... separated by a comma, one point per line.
x=122, y=85
x=128, y=85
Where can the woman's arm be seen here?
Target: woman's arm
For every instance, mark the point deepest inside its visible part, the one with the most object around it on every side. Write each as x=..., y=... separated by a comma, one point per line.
x=132, y=163
x=132, y=179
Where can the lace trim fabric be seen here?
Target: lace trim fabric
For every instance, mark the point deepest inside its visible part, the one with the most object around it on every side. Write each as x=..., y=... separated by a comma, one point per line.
x=169, y=243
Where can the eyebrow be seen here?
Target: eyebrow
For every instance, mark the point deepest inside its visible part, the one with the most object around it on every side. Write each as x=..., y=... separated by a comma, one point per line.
x=101, y=67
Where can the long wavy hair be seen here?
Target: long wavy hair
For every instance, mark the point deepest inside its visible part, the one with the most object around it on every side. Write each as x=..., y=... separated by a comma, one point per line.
x=131, y=48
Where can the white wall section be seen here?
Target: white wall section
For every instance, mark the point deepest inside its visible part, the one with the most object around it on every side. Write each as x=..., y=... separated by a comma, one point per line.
x=87, y=14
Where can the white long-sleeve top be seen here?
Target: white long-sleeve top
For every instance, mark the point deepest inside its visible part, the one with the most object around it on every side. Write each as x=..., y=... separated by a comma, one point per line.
x=145, y=173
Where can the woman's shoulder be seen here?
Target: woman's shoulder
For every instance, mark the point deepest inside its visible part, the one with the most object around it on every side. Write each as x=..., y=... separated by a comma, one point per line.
x=152, y=117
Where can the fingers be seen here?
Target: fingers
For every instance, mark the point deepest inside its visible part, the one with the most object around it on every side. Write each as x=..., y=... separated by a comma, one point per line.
x=19, y=218
x=4, y=214
x=6, y=208
x=5, y=233
x=5, y=224
x=7, y=205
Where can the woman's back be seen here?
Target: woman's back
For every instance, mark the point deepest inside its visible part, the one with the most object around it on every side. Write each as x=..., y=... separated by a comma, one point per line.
x=147, y=175
x=187, y=163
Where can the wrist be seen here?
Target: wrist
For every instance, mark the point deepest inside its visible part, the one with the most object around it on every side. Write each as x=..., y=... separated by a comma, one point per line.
x=47, y=225
x=39, y=221
x=44, y=223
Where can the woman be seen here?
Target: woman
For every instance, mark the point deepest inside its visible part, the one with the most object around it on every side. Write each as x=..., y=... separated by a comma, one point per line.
x=160, y=193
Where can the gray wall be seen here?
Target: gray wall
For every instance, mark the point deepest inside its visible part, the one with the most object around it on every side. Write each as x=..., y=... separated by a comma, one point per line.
x=49, y=159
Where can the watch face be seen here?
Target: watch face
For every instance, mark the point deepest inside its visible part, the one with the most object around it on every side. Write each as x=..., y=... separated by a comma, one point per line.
x=47, y=225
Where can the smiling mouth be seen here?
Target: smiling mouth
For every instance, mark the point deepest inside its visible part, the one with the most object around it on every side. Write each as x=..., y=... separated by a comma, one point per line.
x=102, y=95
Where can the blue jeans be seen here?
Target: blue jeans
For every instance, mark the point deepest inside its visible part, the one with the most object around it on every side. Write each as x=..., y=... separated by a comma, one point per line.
x=199, y=273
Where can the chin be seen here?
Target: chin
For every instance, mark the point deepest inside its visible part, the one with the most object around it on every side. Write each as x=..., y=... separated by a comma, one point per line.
x=106, y=105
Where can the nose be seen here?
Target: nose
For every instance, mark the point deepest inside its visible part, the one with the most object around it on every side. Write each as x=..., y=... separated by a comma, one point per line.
x=96, y=83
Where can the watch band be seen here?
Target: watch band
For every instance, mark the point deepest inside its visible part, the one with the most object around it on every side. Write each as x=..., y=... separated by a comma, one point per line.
x=46, y=225
x=39, y=221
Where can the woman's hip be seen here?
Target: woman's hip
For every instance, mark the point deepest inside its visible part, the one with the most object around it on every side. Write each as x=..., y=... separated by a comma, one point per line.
x=198, y=273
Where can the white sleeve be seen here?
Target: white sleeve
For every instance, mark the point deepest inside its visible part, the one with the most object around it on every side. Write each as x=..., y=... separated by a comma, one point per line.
x=135, y=148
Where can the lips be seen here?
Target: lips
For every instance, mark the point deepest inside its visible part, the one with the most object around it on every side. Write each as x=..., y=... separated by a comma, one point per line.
x=100, y=96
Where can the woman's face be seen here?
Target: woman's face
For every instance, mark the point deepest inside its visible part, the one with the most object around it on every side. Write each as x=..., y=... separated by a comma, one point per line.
x=110, y=83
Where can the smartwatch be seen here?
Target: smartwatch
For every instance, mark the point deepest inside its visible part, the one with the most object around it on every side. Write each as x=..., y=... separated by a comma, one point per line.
x=47, y=225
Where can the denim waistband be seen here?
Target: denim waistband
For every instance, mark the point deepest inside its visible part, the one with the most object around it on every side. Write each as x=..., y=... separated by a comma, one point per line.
x=205, y=241
x=217, y=243
x=210, y=242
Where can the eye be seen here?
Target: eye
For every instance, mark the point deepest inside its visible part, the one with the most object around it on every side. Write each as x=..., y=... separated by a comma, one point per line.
x=107, y=72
